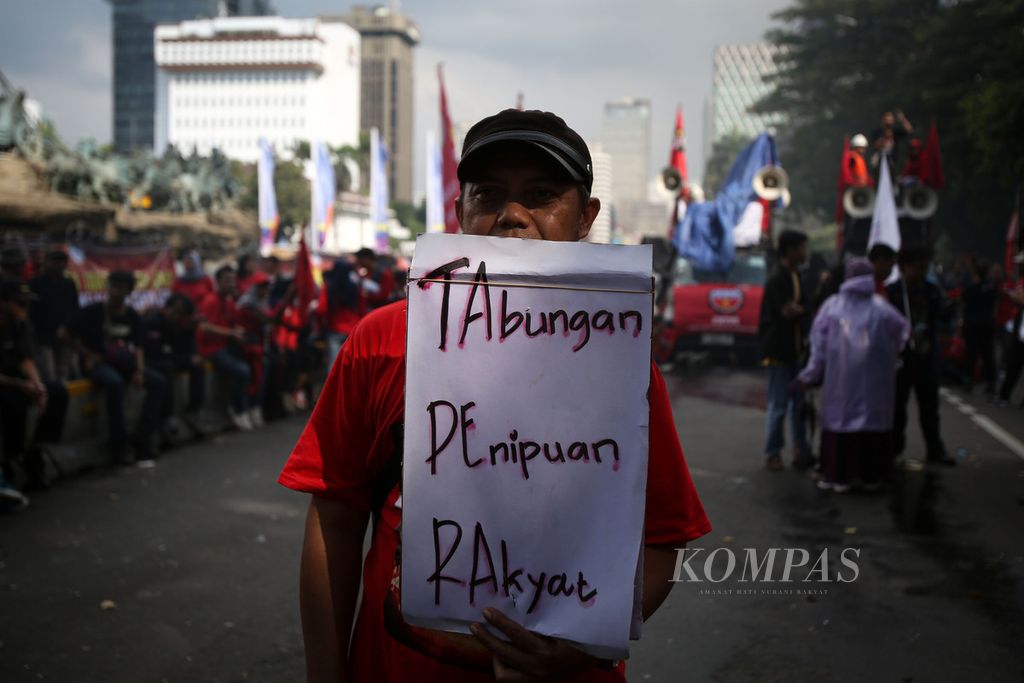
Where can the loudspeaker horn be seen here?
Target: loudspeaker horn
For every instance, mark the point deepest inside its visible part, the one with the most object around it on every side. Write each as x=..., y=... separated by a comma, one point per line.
x=770, y=183
x=671, y=178
x=920, y=202
x=859, y=202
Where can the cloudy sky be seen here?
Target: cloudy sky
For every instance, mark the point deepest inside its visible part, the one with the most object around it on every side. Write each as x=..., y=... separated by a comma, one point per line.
x=566, y=56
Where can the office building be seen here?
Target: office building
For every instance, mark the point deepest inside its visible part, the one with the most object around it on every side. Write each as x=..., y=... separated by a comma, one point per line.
x=626, y=138
x=739, y=80
x=601, y=230
x=134, y=92
x=388, y=39
x=224, y=83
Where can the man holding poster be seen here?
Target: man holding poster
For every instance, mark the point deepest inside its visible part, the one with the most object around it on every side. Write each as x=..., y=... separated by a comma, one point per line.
x=527, y=175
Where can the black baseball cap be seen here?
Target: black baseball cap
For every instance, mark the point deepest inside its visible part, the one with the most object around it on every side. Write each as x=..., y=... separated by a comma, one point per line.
x=13, y=289
x=541, y=129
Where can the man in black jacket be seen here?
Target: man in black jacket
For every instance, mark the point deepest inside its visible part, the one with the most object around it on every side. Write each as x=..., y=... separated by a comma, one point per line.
x=920, y=301
x=782, y=325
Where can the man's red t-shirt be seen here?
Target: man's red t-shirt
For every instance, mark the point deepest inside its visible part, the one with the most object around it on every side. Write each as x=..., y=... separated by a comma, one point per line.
x=196, y=290
x=349, y=439
x=219, y=311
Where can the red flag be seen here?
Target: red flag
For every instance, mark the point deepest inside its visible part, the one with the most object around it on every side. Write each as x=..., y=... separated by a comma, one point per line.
x=845, y=180
x=1012, y=232
x=449, y=167
x=677, y=159
x=933, y=176
x=305, y=287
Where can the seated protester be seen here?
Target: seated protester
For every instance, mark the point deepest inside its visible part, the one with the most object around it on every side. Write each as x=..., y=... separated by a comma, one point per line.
x=376, y=282
x=292, y=341
x=22, y=388
x=255, y=317
x=13, y=264
x=55, y=305
x=280, y=284
x=338, y=307
x=169, y=344
x=108, y=337
x=219, y=340
x=244, y=273
x=193, y=283
x=511, y=187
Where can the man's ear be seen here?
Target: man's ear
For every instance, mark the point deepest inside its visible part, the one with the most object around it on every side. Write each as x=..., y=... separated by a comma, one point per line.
x=587, y=217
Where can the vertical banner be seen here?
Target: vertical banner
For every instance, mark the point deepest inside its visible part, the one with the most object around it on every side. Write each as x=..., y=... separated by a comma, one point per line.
x=322, y=194
x=506, y=480
x=379, y=189
x=449, y=166
x=268, y=216
x=434, y=185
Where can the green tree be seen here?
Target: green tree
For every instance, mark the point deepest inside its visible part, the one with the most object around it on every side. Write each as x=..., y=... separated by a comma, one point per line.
x=290, y=187
x=411, y=216
x=844, y=62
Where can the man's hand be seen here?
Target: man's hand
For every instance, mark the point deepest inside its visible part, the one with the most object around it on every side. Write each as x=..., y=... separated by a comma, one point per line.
x=138, y=378
x=238, y=333
x=792, y=310
x=530, y=656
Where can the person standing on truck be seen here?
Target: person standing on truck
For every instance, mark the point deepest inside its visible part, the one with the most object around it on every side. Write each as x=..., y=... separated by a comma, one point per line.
x=784, y=310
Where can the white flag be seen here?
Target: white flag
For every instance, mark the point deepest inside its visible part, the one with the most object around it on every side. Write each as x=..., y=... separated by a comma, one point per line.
x=379, y=188
x=885, y=225
x=435, y=185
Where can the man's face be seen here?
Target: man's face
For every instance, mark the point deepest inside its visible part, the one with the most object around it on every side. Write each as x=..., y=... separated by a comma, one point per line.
x=56, y=266
x=520, y=192
x=883, y=267
x=117, y=292
x=860, y=150
x=798, y=255
x=888, y=120
x=226, y=282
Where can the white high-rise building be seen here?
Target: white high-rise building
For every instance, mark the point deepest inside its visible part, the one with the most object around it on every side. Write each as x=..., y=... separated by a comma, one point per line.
x=601, y=230
x=224, y=83
x=626, y=137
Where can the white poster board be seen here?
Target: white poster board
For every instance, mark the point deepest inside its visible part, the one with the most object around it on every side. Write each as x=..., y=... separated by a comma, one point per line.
x=526, y=431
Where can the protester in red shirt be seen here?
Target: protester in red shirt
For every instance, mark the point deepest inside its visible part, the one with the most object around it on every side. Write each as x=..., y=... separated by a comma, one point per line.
x=218, y=339
x=339, y=306
x=511, y=188
x=376, y=281
x=193, y=282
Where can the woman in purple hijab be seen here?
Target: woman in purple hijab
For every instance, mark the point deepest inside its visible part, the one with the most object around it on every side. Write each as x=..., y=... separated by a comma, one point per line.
x=855, y=342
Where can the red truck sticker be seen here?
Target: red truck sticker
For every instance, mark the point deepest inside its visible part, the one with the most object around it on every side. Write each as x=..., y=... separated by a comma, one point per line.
x=725, y=301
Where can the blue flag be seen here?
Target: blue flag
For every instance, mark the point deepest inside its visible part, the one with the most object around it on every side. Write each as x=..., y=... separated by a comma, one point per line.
x=705, y=234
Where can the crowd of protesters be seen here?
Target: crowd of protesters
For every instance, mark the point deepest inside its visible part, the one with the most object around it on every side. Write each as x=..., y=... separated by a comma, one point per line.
x=250, y=331
x=868, y=345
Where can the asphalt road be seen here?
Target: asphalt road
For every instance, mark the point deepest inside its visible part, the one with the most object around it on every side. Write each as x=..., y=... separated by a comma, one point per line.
x=187, y=572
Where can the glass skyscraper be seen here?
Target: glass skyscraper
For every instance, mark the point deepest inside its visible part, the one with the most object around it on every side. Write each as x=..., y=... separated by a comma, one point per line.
x=738, y=82
x=134, y=95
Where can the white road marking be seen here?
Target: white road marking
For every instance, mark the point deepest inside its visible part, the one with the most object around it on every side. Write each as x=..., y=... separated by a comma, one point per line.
x=995, y=431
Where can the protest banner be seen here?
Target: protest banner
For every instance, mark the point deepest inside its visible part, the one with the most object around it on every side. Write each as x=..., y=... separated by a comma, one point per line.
x=90, y=265
x=526, y=435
